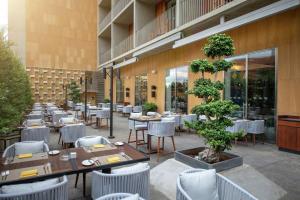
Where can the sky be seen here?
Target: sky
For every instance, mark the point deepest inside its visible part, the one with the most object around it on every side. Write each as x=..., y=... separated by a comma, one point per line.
x=3, y=13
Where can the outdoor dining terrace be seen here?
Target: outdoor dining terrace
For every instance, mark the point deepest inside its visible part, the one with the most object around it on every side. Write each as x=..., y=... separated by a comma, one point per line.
x=74, y=158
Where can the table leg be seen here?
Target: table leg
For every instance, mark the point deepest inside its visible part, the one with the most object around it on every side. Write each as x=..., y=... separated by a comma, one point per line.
x=106, y=171
x=84, y=183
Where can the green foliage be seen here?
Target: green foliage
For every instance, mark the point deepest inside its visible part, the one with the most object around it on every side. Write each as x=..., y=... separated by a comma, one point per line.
x=202, y=66
x=219, y=45
x=74, y=92
x=106, y=100
x=215, y=109
x=222, y=65
x=15, y=92
x=150, y=107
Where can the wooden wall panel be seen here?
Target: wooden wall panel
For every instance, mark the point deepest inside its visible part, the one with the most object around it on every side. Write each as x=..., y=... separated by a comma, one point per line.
x=280, y=31
x=61, y=34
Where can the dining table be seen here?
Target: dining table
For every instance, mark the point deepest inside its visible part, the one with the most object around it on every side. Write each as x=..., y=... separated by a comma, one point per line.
x=68, y=162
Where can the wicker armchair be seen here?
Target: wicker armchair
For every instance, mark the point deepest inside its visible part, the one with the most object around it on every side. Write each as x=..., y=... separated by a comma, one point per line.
x=137, y=109
x=96, y=138
x=161, y=130
x=127, y=110
x=134, y=182
x=227, y=190
x=102, y=114
x=57, y=191
x=188, y=118
x=35, y=134
x=10, y=150
x=117, y=196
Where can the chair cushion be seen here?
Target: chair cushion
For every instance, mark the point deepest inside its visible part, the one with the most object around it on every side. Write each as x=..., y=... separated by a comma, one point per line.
x=34, y=122
x=88, y=141
x=29, y=147
x=141, y=127
x=67, y=120
x=200, y=184
x=105, y=108
x=28, y=187
x=168, y=119
x=132, y=197
x=131, y=169
x=135, y=115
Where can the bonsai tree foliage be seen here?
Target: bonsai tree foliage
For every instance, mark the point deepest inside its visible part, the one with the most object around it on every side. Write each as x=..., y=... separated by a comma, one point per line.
x=213, y=107
x=74, y=92
x=15, y=92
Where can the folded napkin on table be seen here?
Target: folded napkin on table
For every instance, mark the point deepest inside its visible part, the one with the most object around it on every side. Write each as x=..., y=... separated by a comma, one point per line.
x=25, y=155
x=28, y=173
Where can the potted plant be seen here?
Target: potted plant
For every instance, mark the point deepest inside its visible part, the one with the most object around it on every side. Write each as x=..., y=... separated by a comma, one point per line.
x=149, y=107
x=15, y=91
x=216, y=110
x=106, y=100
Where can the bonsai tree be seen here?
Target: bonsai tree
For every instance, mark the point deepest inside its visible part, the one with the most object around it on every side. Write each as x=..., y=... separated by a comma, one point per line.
x=149, y=107
x=15, y=91
x=74, y=92
x=213, y=107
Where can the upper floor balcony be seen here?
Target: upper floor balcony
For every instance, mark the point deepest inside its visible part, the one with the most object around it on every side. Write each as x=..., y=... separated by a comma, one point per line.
x=124, y=46
x=190, y=10
x=163, y=23
x=105, y=21
x=105, y=56
x=119, y=6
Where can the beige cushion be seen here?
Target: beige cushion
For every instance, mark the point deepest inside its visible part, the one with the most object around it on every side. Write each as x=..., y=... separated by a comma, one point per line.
x=132, y=197
x=28, y=187
x=131, y=169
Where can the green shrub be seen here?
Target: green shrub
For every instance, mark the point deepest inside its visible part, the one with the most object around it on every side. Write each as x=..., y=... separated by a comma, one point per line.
x=15, y=92
x=149, y=107
x=106, y=100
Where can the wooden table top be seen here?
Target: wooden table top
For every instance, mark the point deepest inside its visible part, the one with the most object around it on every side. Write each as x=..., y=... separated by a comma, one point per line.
x=72, y=166
x=145, y=119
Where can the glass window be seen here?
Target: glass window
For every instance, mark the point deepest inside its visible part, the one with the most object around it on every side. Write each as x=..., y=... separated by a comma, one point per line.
x=251, y=83
x=140, y=89
x=119, y=91
x=176, y=88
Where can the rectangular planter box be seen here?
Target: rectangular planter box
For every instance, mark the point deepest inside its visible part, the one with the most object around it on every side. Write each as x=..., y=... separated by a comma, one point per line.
x=187, y=157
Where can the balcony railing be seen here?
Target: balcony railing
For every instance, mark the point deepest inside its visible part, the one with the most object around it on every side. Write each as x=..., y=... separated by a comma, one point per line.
x=124, y=46
x=164, y=23
x=192, y=9
x=105, y=21
x=106, y=56
x=118, y=7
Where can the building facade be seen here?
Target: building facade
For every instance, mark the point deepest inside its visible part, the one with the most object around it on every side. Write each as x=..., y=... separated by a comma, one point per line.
x=151, y=44
x=57, y=42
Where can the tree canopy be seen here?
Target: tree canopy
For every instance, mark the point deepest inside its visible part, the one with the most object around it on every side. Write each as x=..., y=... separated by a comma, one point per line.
x=15, y=92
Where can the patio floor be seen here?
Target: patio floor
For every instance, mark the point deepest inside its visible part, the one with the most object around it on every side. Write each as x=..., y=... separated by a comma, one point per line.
x=267, y=173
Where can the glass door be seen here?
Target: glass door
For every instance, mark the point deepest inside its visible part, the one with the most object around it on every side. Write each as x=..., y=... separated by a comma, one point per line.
x=251, y=83
x=235, y=85
x=176, y=87
x=262, y=90
x=140, y=90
